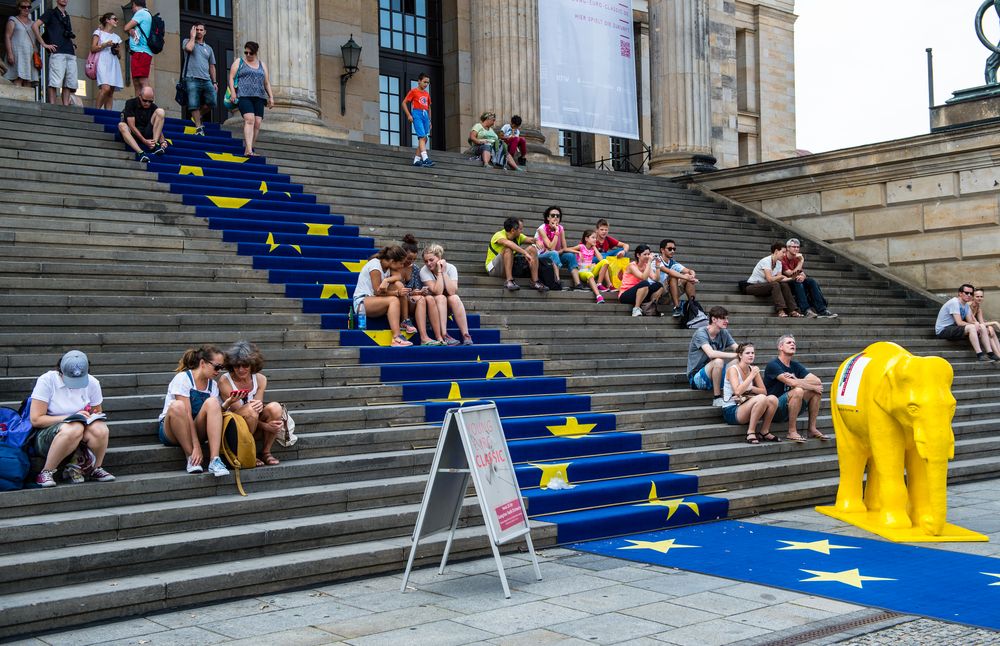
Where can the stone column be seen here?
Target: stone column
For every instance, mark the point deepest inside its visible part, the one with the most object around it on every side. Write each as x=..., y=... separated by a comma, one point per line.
x=505, y=65
x=680, y=82
x=286, y=33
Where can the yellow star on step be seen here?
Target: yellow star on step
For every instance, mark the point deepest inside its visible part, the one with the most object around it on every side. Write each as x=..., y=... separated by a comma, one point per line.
x=571, y=428
x=672, y=504
x=454, y=394
x=287, y=194
x=991, y=574
x=663, y=547
x=227, y=157
x=853, y=578
x=550, y=471
x=354, y=266
x=502, y=368
x=329, y=291
x=823, y=546
x=228, y=202
x=190, y=130
x=263, y=188
x=191, y=170
x=318, y=229
x=383, y=337
x=274, y=245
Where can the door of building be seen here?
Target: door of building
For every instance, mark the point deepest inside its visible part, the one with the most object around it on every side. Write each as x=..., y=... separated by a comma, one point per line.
x=409, y=44
x=217, y=16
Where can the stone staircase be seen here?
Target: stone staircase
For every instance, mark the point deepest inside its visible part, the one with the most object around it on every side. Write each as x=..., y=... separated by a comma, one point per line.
x=133, y=265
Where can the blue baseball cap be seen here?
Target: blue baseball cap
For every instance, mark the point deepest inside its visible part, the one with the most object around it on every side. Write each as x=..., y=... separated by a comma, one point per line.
x=75, y=369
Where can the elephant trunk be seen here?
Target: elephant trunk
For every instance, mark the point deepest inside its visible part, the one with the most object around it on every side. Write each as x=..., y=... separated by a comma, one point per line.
x=933, y=519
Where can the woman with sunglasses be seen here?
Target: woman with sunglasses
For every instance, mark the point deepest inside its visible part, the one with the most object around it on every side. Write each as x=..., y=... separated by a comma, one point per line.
x=105, y=43
x=243, y=376
x=21, y=45
x=192, y=411
x=250, y=88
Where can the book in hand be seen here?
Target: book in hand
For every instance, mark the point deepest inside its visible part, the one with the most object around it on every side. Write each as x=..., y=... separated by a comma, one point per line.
x=87, y=419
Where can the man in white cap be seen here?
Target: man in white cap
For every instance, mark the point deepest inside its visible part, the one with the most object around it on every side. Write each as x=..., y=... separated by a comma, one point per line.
x=66, y=408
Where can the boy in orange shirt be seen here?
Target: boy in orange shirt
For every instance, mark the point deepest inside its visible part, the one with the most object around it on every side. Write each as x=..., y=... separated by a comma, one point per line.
x=419, y=114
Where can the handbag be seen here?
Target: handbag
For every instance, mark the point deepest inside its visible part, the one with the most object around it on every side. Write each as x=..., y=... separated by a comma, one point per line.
x=238, y=448
x=90, y=68
x=180, y=90
x=286, y=435
x=36, y=60
x=227, y=101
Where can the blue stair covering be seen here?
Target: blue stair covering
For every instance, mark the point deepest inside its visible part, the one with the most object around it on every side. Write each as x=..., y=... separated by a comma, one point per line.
x=554, y=436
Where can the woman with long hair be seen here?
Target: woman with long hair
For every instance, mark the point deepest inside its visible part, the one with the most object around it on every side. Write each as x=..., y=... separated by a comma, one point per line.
x=105, y=43
x=373, y=289
x=440, y=278
x=745, y=400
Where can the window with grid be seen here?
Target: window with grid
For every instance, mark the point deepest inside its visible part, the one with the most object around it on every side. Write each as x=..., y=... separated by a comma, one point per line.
x=567, y=143
x=389, y=102
x=404, y=25
x=619, y=148
x=219, y=8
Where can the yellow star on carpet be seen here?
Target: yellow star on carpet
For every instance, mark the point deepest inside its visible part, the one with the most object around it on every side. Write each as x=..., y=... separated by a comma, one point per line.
x=227, y=157
x=354, y=266
x=991, y=574
x=502, y=368
x=823, y=546
x=663, y=547
x=571, y=428
x=550, y=471
x=263, y=188
x=853, y=578
x=329, y=291
x=191, y=170
x=228, y=202
x=672, y=504
x=318, y=229
x=274, y=245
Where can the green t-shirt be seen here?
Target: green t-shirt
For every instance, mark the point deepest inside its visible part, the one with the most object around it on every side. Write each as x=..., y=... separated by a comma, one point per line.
x=496, y=248
x=486, y=134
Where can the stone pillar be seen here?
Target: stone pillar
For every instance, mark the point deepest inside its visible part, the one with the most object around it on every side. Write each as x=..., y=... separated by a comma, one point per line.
x=505, y=65
x=680, y=82
x=286, y=33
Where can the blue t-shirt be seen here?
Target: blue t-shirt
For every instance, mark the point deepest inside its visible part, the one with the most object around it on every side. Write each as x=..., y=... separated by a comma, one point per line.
x=145, y=24
x=776, y=368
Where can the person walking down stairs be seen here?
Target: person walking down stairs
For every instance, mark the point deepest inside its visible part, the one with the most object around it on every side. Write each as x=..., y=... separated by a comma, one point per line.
x=419, y=115
x=250, y=88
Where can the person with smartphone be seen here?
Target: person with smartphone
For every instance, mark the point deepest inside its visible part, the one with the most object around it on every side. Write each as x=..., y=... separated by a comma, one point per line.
x=246, y=384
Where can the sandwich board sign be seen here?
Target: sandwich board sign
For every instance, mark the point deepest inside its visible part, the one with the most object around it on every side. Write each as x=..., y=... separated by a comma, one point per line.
x=472, y=445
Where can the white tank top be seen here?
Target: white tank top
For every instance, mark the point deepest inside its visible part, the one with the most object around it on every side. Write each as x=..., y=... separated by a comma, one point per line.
x=253, y=391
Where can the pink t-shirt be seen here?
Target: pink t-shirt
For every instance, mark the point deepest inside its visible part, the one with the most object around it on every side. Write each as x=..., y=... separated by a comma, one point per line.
x=545, y=233
x=586, y=255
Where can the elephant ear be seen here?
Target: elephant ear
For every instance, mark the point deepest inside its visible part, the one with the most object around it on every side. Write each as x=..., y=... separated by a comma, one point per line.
x=888, y=382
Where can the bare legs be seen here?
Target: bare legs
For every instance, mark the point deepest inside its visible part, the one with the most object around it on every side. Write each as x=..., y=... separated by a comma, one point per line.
x=251, y=129
x=70, y=436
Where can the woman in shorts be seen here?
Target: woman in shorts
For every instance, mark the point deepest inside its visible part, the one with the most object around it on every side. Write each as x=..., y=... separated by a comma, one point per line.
x=250, y=88
x=745, y=400
x=440, y=279
x=244, y=363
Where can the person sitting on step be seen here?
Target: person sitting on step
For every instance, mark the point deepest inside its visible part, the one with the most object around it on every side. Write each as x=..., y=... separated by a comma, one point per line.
x=710, y=348
x=767, y=279
x=405, y=285
x=487, y=144
x=507, y=256
x=550, y=238
x=745, y=401
x=589, y=258
x=956, y=322
x=142, y=121
x=795, y=387
x=440, y=279
x=243, y=376
x=192, y=410
x=67, y=391
x=608, y=247
x=673, y=274
x=372, y=291
x=991, y=326
x=517, y=145
x=808, y=295
x=639, y=283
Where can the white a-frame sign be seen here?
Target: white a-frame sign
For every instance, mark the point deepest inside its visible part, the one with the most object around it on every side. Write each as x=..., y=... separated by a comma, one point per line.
x=472, y=443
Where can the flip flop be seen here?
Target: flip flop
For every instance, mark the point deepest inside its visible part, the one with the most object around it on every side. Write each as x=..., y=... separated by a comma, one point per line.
x=798, y=439
x=770, y=437
x=818, y=436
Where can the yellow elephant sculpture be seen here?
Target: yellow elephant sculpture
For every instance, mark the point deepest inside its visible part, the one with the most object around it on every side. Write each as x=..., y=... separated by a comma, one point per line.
x=892, y=414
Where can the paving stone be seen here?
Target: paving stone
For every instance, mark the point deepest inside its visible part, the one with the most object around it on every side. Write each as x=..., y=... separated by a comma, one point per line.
x=829, y=605
x=609, y=599
x=671, y=614
x=564, y=585
x=717, y=603
x=305, y=636
x=266, y=623
x=381, y=622
x=678, y=583
x=540, y=637
x=760, y=593
x=393, y=600
x=178, y=637
x=210, y=613
x=487, y=600
x=435, y=633
x=103, y=633
x=609, y=628
x=628, y=573
x=781, y=616
x=710, y=633
x=516, y=619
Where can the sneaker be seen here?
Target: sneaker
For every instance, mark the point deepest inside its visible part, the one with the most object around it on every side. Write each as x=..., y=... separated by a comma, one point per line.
x=811, y=313
x=511, y=286
x=400, y=342
x=100, y=475
x=602, y=288
x=417, y=162
x=73, y=474
x=676, y=313
x=157, y=149
x=408, y=326
x=827, y=314
x=718, y=402
x=466, y=340
x=540, y=287
x=427, y=163
x=143, y=159
x=636, y=311
x=982, y=356
x=521, y=161
x=581, y=287
x=217, y=468
x=45, y=479
x=992, y=356
x=599, y=299
x=199, y=131
x=432, y=342
x=194, y=467
x=450, y=340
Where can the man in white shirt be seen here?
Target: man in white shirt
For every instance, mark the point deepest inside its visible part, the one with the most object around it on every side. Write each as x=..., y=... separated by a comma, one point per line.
x=767, y=279
x=955, y=322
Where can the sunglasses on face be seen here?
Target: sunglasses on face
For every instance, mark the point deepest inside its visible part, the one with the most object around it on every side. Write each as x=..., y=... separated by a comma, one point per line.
x=217, y=366
x=671, y=248
x=248, y=53
x=967, y=293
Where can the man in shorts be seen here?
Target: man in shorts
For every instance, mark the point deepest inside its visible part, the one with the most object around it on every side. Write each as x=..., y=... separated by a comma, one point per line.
x=955, y=322
x=711, y=347
x=507, y=256
x=142, y=123
x=141, y=60
x=795, y=387
x=199, y=76
x=60, y=41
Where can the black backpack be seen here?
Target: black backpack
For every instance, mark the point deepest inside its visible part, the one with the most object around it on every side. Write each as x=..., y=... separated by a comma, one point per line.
x=692, y=315
x=157, y=34
x=547, y=274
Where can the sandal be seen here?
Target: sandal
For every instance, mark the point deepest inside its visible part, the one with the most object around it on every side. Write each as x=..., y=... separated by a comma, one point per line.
x=818, y=435
x=770, y=437
x=795, y=437
x=260, y=462
x=270, y=460
x=796, y=314
x=782, y=315
x=752, y=438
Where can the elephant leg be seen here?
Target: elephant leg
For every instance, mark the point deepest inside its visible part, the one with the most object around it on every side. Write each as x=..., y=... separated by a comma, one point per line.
x=852, y=455
x=888, y=450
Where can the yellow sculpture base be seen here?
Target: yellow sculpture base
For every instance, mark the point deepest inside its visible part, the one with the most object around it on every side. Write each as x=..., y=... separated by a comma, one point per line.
x=869, y=521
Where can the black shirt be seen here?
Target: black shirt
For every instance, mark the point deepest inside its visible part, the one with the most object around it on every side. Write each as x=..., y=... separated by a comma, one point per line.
x=143, y=114
x=57, y=25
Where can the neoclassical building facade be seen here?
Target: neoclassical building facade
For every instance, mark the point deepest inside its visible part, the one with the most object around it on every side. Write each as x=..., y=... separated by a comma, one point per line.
x=714, y=77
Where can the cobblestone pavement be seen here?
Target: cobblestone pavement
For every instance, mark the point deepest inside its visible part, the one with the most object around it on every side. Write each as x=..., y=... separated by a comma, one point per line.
x=583, y=599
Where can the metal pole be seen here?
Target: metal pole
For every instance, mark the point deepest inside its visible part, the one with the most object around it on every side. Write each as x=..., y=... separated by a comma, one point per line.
x=930, y=77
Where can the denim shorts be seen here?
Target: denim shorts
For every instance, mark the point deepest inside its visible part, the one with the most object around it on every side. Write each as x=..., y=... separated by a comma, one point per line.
x=421, y=123
x=700, y=380
x=200, y=92
x=729, y=414
x=781, y=415
x=163, y=435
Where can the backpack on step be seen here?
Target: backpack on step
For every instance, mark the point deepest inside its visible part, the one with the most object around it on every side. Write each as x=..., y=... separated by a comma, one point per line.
x=692, y=315
x=15, y=432
x=547, y=274
x=238, y=448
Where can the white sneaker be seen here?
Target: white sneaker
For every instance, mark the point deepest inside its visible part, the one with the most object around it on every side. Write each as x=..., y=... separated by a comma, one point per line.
x=217, y=468
x=636, y=311
x=194, y=467
x=718, y=402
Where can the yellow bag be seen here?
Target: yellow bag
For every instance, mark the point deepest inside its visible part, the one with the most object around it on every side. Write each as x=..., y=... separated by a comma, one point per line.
x=616, y=267
x=238, y=448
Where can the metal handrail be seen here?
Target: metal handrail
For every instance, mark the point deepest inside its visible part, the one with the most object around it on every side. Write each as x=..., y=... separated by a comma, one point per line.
x=622, y=163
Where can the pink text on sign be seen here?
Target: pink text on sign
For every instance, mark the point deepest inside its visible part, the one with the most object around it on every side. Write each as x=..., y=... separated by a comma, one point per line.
x=509, y=514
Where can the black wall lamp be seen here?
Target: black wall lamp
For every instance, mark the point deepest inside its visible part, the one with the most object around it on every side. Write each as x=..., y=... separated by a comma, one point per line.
x=351, y=51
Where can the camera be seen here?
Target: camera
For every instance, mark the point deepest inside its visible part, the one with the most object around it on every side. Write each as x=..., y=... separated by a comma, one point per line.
x=69, y=35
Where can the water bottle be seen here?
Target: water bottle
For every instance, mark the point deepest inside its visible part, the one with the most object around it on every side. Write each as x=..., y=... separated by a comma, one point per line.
x=362, y=318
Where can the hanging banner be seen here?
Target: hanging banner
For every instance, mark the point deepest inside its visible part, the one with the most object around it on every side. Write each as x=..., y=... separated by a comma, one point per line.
x=586, y=66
